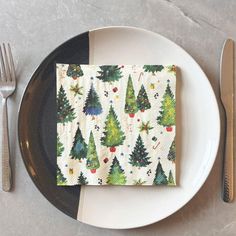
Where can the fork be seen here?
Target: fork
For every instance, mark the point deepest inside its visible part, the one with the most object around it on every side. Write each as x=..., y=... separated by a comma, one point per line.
x=7, y=88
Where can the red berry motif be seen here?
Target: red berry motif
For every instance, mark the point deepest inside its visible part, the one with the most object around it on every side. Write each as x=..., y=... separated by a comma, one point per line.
x=105, y=160
x=112, y=149
x=93, y=171
x=142, y=110
x=115, y=89
x=169, y=129
x=131, y=115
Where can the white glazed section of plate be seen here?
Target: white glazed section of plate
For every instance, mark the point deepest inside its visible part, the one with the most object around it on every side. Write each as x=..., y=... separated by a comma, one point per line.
x=198, y=132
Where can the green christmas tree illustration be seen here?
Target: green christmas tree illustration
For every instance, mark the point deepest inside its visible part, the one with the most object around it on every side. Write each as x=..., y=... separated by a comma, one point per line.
x=74, y=71
x=153, y=68
x=92, y=105
x=160, y=177
x=60, y=147
x=113, y=135
x=92, y=157
x=142, y=100
x=171, y=179
x=167, y=112
x=109, y=73
x=116, y=174
x=139, y=156
x=131, y=106
x=82, y=180
x=61, y=180
x=65, y=113
x=172, y=152
x=79, y=148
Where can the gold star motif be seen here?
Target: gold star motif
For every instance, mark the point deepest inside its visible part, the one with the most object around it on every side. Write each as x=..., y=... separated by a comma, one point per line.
x=76, y=89
x=152, y=86
x=145, y=127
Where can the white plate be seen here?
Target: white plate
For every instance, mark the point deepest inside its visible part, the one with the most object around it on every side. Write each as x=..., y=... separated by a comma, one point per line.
x=198, y=132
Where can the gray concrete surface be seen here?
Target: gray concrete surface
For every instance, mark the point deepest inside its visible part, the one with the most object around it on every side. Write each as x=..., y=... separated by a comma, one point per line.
x=34, y=28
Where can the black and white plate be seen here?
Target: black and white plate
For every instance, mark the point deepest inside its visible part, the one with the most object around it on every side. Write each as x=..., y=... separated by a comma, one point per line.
x=115, y=206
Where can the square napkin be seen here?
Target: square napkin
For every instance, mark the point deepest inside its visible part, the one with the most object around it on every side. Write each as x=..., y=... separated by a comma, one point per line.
x=116, y=124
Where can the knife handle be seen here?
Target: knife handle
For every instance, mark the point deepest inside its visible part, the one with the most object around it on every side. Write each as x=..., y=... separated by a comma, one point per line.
x=228, y=170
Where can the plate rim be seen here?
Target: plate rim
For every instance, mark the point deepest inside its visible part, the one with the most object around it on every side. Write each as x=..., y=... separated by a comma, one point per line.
x=212, y=95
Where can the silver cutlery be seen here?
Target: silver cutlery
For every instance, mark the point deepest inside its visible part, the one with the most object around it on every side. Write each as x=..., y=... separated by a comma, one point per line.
x=7, y=88
x=227, y=98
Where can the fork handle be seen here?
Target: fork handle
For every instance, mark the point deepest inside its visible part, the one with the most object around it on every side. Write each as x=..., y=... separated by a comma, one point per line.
x=6, y=167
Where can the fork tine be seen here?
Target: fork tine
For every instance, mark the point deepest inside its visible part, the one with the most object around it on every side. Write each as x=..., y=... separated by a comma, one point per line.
x=7, y=68
x=3, y=74
x=12, y=67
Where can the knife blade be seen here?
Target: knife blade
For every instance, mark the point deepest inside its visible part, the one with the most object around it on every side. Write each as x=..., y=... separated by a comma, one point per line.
x=227, y=98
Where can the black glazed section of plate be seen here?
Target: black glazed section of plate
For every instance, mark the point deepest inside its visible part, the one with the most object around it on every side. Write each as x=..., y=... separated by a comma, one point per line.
x=37, y=125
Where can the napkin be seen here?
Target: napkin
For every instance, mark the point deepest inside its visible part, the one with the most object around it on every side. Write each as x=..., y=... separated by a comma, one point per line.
x=116, y=124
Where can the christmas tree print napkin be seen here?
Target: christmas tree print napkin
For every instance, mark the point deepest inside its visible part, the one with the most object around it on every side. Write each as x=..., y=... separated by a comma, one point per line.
x=116, y=124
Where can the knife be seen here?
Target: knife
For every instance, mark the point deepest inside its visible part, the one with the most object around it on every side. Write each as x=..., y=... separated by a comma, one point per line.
x=227, y=98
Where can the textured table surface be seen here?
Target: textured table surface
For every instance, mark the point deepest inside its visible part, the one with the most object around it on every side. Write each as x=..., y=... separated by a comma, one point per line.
x=34, y=28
